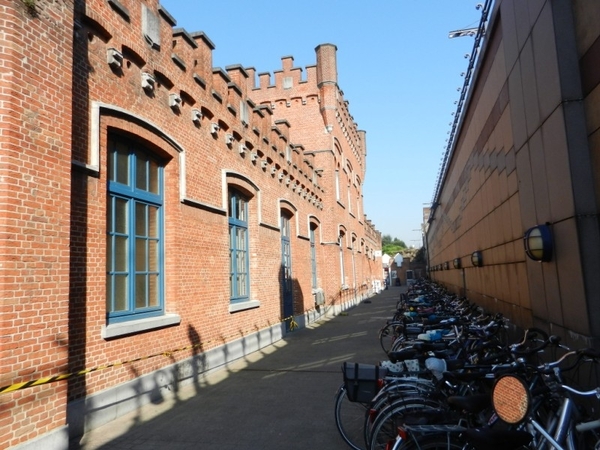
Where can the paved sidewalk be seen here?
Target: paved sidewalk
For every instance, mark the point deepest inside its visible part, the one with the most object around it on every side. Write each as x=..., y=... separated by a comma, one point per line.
x=279, y=397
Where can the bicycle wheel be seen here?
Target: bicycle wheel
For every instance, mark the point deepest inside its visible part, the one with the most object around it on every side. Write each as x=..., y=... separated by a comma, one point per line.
x=402, y=389
x=385, y=427
x=349, y=419
x=388, y=335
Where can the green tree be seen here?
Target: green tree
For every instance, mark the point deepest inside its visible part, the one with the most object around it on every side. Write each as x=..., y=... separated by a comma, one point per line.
x=391, y=246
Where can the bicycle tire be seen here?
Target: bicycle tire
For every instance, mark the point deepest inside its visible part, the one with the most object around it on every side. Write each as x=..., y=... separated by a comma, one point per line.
x=382, y=409
x=349, y=419
x=395, y=390
x=384, y=428
x=389, y=334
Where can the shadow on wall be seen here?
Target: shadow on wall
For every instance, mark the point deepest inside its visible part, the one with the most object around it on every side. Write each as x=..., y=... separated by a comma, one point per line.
x=80, y=187
x=164, y=387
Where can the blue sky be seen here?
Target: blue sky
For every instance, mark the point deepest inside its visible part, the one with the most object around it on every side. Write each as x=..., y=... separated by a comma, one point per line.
x=397, y=67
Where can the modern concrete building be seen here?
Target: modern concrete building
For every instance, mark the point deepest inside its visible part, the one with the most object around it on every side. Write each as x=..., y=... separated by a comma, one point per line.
x=522, y=169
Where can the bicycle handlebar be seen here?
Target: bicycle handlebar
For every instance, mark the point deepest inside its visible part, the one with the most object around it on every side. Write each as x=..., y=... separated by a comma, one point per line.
x=529, y=334
x=595, y=391
x=581, y=353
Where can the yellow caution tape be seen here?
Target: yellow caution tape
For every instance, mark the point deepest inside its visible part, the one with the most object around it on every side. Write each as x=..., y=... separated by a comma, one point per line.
x=293, y=324
x=46, y=380
x=41, y=381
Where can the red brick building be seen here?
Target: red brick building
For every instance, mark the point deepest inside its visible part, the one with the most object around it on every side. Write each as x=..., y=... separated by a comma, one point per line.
x=159, y=212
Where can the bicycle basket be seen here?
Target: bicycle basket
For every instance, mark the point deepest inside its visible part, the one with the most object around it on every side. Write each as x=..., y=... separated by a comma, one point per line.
x=511, y=399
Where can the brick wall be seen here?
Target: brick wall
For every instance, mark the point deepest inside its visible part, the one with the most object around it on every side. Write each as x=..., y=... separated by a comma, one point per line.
x=35, y=106
x=62, y=100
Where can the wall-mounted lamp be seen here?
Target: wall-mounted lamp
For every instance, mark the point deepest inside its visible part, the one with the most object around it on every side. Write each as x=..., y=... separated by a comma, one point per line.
x=214, y=128
x=456, y=263
x=538, y=243
x=228, y=139
x=477, y=259
x=446, y=265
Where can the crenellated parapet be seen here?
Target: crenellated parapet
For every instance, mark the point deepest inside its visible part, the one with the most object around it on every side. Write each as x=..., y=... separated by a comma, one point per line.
x=287, y=89
x=166, y=75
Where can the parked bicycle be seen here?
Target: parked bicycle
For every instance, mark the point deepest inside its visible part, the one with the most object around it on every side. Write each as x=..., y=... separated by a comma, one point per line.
x=533, y=409
x=445, y=390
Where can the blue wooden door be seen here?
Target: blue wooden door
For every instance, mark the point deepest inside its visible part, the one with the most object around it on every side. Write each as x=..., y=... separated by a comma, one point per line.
x=287, y=284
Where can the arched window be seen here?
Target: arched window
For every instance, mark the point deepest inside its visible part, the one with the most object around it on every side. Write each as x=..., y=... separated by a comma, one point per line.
x=239, y=280
x=134, y=265
x=313, y=255
x=341, y=239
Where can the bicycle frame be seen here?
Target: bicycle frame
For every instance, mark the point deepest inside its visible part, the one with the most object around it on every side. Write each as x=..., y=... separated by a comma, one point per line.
x=562, y=429
x=563, y=424
x=558, y=434
x=435, y=429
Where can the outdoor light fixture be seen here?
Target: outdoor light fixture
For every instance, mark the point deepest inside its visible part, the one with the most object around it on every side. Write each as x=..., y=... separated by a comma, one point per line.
x=538, y=243
x=456, y=263
x=446, y=265
x=476, y=259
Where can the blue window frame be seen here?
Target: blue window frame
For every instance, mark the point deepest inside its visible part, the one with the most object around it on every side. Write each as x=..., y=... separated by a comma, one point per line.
x=239, y=279
x=134, y=262
x=313, y=258
x=286, y=279
x=342, y=270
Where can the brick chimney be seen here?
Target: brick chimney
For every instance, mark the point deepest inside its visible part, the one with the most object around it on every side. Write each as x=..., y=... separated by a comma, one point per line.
x=326, y=64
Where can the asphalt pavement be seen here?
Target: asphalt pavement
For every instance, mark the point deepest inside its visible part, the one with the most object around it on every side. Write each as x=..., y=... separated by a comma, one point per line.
x=281, y=397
